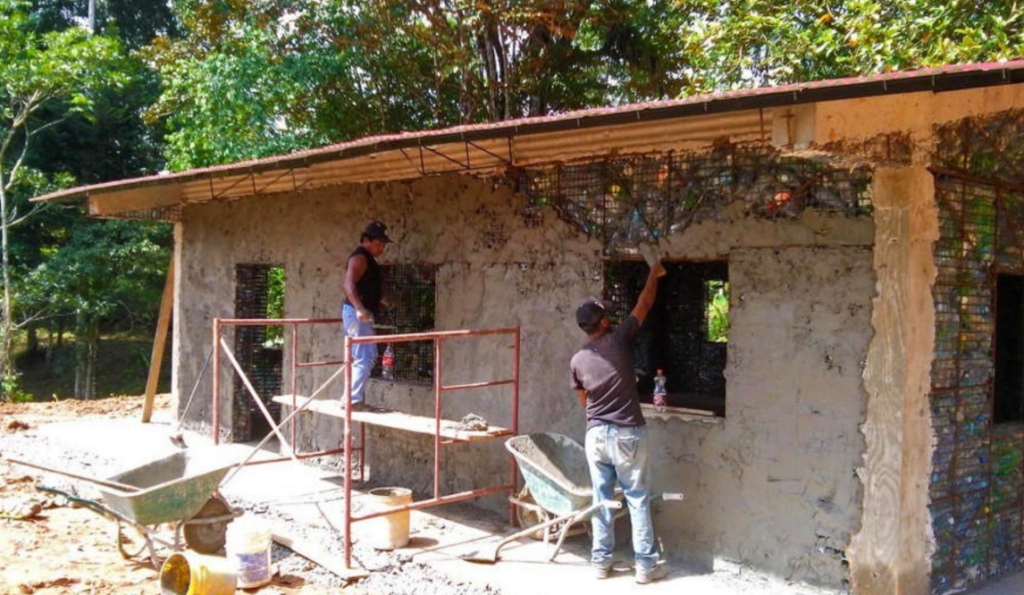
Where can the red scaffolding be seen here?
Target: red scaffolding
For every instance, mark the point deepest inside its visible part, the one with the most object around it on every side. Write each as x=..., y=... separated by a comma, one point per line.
x=444, y=432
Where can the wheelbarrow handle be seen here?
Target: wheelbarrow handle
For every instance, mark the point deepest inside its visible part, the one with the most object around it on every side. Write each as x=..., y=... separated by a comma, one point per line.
x=90, y=504
x=614, y=504
x=103, y=482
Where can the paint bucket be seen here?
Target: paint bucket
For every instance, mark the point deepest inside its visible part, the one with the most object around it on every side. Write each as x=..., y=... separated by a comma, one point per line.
x=248, y=547
x=391, y=531
x=195, y=574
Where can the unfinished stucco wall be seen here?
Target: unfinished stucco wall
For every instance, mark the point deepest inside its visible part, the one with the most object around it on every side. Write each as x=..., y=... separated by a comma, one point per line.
x=772, y=484
x=758, y=492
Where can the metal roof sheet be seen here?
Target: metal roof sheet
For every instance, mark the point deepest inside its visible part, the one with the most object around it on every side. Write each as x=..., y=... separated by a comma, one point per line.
x=938, y=79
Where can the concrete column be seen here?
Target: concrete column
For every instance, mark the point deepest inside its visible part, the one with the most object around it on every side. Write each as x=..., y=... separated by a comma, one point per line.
x=891, y=554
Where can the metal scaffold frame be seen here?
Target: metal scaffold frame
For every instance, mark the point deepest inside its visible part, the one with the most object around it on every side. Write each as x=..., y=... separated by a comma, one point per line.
x=438, y=338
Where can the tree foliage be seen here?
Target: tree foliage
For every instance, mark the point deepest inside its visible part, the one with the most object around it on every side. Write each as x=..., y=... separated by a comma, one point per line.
x=254, y=79
x=44, y=78
x=759, y=42
x=108, y=274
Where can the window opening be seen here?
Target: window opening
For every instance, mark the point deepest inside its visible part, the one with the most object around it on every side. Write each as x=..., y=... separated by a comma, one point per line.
x=259, y=293
x=686, y=334
x=410, y=293
x=717, y=311
x=1009, y=381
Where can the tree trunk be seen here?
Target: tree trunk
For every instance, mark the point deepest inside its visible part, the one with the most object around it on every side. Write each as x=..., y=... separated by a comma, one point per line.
x=81, y=355
x=48, y=359
x=32, y=340
x=94, y=347
x=87, y=338
x=6, y=324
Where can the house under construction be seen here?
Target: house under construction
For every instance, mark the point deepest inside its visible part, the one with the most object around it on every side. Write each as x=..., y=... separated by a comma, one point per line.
x=842, y=324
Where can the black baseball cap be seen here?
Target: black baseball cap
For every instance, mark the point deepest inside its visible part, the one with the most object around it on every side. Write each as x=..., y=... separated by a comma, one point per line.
x=591, y=311
x=377, y=231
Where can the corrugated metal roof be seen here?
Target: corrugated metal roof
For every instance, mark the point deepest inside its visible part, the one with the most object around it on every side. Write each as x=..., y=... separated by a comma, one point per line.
x=944, y=78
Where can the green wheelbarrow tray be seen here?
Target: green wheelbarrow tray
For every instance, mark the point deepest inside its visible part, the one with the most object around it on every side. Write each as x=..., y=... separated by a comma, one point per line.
x=173, y=488
x=180, y=489
x=554, y=467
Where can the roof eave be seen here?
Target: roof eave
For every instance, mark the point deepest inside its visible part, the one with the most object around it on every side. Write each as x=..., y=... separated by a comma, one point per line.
x=936, y=81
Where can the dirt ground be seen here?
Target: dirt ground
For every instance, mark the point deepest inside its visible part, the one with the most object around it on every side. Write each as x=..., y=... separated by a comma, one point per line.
x=63, y=550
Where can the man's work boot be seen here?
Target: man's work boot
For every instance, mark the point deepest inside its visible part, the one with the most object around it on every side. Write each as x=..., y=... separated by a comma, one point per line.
x=649, y=576
x=601, y=571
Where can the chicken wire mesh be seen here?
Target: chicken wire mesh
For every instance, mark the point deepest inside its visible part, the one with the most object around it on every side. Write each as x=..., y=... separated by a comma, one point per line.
x=411, y=295
x=977, y=482
x=261, y=362
x=629, y=200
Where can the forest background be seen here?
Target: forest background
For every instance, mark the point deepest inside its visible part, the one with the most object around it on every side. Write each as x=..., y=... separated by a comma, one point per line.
x=98, y=90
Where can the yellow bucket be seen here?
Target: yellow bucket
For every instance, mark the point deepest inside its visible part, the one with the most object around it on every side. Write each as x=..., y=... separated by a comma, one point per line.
x=194, y=574
x=391, y=531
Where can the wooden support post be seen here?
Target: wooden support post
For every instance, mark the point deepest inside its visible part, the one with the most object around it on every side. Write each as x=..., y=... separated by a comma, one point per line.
x=166, y=306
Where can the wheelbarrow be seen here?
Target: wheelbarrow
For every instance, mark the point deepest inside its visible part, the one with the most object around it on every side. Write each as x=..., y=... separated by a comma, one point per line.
x=558, y=492
x=179, y=489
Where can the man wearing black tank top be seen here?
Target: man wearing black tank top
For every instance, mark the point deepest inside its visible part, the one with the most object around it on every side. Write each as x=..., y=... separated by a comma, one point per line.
x=362, y=302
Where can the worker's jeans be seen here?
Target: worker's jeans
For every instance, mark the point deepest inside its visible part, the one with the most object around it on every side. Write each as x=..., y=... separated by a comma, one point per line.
x=363, y=356
x=621, y=454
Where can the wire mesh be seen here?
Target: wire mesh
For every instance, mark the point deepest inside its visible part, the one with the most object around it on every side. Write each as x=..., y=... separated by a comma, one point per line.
x=629, y=200
x=976, y=486
x=411, y=295
x=262, y=363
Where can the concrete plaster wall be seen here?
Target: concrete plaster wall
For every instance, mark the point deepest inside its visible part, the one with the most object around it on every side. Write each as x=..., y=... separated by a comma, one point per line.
x=772, y=485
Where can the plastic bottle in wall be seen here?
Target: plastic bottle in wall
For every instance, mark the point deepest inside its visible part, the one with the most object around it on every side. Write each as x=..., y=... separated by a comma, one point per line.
x=660, y=394
x=387, y=364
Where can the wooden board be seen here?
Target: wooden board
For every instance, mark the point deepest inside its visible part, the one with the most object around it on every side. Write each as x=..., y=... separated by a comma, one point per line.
x=315, y=554
x=396, y=419
x=157, y=357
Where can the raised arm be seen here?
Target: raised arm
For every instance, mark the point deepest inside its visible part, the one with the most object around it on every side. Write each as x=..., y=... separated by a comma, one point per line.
x=353, y=273
x=646, y=300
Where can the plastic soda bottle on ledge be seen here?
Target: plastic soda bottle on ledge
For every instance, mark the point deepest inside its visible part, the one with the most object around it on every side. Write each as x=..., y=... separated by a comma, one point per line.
x=387, y=364
x=660, y=394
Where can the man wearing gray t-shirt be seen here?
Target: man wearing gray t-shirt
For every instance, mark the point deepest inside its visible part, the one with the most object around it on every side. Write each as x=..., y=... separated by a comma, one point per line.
x=616, y=442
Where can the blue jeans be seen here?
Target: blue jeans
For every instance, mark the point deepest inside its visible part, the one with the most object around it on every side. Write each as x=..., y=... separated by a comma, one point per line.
x=363, y=356
x=620, y=454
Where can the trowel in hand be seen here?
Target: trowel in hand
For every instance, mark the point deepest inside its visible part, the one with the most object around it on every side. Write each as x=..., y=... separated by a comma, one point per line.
x=651, y=252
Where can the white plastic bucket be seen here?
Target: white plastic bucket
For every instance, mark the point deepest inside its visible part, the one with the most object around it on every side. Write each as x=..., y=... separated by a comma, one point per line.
x=248, y=547
x=391, y=531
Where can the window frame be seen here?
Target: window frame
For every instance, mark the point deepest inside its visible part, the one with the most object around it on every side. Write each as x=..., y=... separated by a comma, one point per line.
x=697, y=403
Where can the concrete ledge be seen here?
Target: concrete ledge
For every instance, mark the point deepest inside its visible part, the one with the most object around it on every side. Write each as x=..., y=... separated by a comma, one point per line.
x=680, y=413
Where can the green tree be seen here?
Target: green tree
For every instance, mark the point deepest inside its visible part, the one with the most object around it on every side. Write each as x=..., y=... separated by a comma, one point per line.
x=760, y=42
x=77, y=277
x=254, y=79
x=38, y=71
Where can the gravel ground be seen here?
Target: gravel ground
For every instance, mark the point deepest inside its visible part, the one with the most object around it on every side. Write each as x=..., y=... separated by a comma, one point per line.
x=390, y=572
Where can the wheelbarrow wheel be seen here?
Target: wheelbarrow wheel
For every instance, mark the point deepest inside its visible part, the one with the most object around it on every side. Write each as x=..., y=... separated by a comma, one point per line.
x=208, y=537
